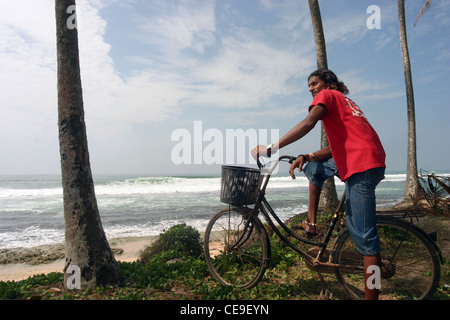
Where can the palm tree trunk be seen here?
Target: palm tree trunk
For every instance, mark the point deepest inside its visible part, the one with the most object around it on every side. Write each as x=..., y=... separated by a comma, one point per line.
x=86, y=245
x=328, y=196
x=319, y=37
x=412, y=182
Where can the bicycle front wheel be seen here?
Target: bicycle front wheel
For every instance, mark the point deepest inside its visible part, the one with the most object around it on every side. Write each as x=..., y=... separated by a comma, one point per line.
x=410, y=268
x=236, y=248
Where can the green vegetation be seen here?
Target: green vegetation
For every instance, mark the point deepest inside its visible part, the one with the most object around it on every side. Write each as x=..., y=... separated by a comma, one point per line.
x=174, y=268
x=182, y=239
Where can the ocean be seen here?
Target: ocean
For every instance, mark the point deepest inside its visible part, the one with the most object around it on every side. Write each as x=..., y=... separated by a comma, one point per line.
x=31, y=206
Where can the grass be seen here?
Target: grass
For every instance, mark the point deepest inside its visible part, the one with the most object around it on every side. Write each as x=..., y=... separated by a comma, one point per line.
x=169, y=274
x=186, y=278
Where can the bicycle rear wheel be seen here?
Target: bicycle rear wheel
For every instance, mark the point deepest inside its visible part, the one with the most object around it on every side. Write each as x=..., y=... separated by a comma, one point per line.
x=237, y=249
x=410, y=268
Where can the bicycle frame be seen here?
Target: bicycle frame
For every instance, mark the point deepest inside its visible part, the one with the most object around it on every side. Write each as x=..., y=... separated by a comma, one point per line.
x=340, y=260
x=263, y=205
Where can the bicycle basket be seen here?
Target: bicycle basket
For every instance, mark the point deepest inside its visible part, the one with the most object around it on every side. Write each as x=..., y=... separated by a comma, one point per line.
x=239, y=185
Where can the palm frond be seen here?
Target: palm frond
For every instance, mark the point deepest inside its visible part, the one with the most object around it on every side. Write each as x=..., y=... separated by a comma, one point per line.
x=425, y=7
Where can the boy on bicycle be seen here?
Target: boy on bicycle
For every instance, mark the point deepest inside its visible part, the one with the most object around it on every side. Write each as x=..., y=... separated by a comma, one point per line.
x=358, y=155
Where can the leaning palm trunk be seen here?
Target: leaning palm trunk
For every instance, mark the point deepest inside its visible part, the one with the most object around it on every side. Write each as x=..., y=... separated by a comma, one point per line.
x=328, y=196
x=412, y=183
x=86, y=246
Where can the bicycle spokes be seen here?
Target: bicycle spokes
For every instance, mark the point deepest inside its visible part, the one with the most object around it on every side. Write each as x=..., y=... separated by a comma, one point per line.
x=236, y=249
x=409, y=266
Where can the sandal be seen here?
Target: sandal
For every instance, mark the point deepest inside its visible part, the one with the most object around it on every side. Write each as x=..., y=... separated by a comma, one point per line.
x=301, y=226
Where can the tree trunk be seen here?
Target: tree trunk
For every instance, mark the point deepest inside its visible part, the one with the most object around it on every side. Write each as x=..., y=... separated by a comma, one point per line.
x=319, y=37
x=412, y=182
x=86, y=246
x=328, y=196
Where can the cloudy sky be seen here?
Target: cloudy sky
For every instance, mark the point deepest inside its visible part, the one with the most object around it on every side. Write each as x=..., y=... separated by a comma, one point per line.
x=165, y=81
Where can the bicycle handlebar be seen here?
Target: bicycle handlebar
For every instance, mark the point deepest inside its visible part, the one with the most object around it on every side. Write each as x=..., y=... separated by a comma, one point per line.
x=291, y=160
x=261, y=166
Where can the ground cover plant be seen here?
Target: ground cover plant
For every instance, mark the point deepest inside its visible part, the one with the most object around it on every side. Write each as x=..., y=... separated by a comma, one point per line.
x=173, y=268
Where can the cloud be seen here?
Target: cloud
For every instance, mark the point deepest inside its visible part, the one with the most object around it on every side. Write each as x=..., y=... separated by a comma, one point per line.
x=28, y=63
x=234, y=68
x=272, y=115
x=350, y=26
x=160, y=64
x=116, y=101
x=245, y=74
x=370, y=89
x=173, y=27
x=185, y=62
x=240, y=70
x=28, y=84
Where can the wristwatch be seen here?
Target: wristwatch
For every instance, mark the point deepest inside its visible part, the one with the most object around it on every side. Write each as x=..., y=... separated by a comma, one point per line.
x=269, y=150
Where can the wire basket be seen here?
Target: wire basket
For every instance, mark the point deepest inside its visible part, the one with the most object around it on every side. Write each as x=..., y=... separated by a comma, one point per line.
x=239, y=185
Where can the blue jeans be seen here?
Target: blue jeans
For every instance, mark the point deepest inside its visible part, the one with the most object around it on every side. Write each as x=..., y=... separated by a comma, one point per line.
x=360, y=210
x=319, y=171
x=360, y=203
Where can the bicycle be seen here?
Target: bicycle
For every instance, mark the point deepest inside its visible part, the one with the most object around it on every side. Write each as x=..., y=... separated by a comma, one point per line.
x=238, y=250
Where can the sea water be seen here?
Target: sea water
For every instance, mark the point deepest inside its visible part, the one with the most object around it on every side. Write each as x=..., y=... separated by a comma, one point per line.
x=31, y=207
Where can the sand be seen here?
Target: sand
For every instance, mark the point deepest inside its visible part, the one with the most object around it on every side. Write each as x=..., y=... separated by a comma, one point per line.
x=20, y=263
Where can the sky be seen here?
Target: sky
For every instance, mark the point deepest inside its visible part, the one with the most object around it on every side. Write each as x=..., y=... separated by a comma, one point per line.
x=168, y=85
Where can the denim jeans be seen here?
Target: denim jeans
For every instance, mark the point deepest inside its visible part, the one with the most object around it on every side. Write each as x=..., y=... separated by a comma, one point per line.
x=360, y=210
x=360, y=203
x=319, y=171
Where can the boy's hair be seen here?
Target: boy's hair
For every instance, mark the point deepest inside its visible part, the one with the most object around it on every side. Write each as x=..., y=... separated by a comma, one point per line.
x=330, y=79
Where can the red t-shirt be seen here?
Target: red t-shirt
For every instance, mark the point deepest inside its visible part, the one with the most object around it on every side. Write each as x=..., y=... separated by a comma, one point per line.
x=354, y=144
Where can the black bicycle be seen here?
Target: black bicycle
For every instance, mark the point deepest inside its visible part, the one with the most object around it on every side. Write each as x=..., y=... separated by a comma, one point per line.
x=238, y=251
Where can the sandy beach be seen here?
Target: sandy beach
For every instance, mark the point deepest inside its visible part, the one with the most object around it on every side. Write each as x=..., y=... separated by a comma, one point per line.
x=20, y=263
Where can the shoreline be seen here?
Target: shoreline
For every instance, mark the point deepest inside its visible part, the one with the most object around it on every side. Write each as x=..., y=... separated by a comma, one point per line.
x=20, y=263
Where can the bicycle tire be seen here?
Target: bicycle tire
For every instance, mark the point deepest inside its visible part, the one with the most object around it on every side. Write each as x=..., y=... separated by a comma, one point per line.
x=237, y=249
x=410, y=262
